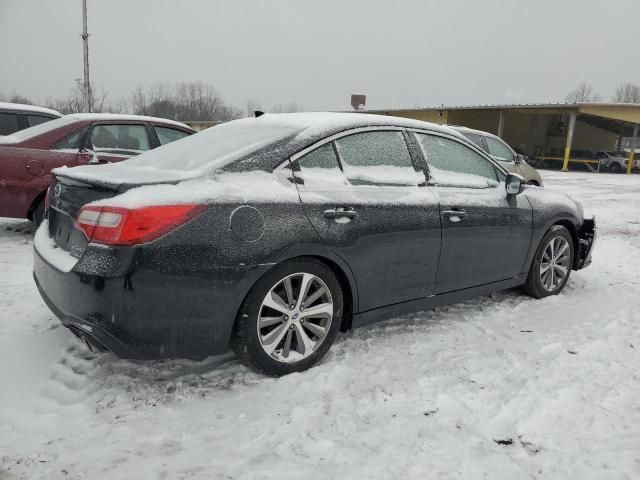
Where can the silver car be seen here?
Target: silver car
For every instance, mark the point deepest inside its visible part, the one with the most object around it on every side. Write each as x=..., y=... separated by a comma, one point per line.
x=502, y=152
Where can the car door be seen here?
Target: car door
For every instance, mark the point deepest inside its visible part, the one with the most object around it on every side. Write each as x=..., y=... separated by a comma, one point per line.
x=485, y=234
x=361, y=193
x=115, y=142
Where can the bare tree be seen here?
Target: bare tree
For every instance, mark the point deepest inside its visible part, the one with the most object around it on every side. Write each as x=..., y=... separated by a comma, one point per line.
x=288, y=108
x=583, y=93
x=184, y=101
x=15, y=98
x=252, y=106
x=74, y=102
x=627, y=93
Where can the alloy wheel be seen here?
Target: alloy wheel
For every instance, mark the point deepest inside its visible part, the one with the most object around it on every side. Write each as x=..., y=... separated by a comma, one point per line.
x=555, y=263
x=295, y=317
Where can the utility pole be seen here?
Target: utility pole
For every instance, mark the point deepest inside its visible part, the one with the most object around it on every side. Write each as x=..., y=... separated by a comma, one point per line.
x=85, y=47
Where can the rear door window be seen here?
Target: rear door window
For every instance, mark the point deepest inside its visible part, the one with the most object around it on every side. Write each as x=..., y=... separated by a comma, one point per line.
x=8, y=123
x=453, y=164
x=125, y=139
x=37, y=119
x=319, y=168
x=71, y=142
x=499, y=150
x=168, y=135
x=378, y=158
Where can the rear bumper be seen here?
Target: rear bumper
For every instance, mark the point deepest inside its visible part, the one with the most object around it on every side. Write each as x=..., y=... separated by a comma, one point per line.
x=145, y=313
x=586, y=237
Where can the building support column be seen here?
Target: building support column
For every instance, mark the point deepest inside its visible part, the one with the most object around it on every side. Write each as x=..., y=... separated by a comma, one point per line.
x=501, y=124
x=619, y=142
x=632, y=149
x=567, y=148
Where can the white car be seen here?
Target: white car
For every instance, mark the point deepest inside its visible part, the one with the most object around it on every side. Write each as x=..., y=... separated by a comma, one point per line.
x=16, y=116
x=614, y=162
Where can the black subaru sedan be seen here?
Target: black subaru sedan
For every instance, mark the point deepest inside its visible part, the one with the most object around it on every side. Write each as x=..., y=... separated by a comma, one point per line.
x=271, y=234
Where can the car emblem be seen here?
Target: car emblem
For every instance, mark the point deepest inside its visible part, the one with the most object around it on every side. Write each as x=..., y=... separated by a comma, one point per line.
x=57, y=190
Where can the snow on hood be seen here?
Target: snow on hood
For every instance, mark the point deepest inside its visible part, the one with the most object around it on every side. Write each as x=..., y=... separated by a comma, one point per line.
x=212, y=149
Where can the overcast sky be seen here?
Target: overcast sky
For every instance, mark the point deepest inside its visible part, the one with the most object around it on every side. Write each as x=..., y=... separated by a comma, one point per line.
x=316, y=53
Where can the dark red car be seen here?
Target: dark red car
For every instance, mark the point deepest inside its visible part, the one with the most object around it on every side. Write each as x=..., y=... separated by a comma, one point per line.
x=28, y=156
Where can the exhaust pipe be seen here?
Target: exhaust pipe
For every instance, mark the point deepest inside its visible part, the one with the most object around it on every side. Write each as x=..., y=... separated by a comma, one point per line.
x=88, y=344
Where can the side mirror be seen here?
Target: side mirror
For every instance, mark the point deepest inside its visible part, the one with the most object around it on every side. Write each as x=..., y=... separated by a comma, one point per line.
x=514, y=184
x=519, y=159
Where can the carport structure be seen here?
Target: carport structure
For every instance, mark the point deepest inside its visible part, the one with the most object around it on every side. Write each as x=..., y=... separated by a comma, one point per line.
x=563, y=134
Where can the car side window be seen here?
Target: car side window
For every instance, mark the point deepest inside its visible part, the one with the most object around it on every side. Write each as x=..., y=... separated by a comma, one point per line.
x=37, y=119
x=71, y=142
x=378, y=158
x=477, y=139
x=453, y=164
x=120, y=139
x=8, y=123
x=168, y=135
x=499, y=150
x=319, y=168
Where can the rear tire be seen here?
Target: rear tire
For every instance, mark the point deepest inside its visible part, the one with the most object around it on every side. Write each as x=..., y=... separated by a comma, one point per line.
x=551, y=266
x=37, y=216
x=276, y=333
x=615, y=168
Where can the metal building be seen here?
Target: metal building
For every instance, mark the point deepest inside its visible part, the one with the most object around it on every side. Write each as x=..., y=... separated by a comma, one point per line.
x=561, y=134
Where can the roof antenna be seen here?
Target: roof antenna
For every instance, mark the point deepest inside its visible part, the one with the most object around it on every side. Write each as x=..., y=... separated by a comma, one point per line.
x=258, y=113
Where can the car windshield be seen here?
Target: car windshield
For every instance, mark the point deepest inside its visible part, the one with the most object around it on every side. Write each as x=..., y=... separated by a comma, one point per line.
x=29, y=133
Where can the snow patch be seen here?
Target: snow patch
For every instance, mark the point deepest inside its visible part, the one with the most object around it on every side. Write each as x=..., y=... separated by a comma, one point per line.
x=50, y=252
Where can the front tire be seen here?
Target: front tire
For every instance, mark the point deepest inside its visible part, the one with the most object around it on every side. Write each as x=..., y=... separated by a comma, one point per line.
x=551, y=266
x=290, y=318
x=615, y=168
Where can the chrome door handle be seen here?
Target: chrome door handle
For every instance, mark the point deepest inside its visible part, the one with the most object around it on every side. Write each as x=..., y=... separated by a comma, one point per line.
x=454, y=215
x=340, y=212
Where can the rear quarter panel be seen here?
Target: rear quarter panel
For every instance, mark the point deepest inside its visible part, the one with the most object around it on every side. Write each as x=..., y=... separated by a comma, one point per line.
x=25, y=175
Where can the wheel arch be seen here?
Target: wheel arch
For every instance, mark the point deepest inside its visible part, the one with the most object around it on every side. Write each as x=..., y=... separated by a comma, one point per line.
x=339, y=268
x=574, y=235
x=35, y=202
x=348, y=289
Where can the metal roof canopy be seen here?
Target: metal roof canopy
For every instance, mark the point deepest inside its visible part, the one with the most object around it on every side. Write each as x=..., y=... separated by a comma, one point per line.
x=622, y=119
x=625, y=112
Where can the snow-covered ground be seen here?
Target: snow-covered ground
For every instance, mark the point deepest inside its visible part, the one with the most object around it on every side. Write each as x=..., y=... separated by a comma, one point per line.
x=502, y=387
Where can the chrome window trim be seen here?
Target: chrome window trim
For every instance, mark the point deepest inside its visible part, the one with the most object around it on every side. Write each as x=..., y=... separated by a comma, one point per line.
x=345, y=133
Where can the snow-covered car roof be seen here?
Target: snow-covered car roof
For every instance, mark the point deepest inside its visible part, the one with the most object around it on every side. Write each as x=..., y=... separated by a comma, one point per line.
x=21, y=107
x=472, y=130
x=29, y=133
x=125, y=117
x=239, y=145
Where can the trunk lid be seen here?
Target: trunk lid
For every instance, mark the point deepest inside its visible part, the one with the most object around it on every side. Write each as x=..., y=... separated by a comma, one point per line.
x=66, y=197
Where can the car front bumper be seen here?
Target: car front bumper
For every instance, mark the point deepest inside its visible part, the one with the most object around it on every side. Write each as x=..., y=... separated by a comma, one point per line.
x=143, y=313
x=586, y=237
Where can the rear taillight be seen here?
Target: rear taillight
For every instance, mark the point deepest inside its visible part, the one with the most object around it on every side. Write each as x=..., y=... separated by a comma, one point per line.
x=131, y=226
